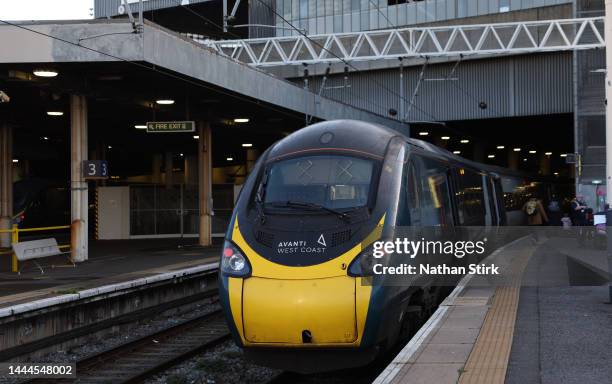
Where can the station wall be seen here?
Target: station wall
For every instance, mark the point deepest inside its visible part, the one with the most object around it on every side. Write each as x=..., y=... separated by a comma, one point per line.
x=511, y=86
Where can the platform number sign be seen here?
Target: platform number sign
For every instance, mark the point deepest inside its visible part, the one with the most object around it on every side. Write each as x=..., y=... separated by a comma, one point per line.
x=95, y=169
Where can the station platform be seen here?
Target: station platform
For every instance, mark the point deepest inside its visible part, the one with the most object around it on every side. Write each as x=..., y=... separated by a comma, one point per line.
x=547, y=320
x=110, y=262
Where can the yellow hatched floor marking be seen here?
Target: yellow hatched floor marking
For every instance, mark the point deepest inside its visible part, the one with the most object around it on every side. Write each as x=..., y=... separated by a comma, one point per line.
x=488, y=361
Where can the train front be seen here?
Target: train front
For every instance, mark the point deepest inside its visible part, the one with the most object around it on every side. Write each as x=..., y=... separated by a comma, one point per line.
x=290, y=276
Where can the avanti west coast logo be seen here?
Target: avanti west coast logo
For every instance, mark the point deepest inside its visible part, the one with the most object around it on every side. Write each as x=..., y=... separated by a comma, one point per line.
x=302, y=246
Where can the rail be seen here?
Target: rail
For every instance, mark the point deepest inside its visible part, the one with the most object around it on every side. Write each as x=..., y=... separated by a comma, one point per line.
x=15, y=230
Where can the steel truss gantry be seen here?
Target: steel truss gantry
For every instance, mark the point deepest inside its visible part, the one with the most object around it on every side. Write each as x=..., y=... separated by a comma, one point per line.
x=417, y=42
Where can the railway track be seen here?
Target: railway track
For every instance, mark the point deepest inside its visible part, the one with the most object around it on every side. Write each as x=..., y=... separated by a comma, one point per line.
x=142, y=358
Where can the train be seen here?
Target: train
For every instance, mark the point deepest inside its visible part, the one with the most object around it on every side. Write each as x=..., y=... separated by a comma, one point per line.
x=292, y=279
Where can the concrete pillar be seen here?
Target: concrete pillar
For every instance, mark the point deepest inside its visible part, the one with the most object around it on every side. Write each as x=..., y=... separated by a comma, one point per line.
x=79, y=196
x=6, y=183
x=205, y=181
x=544, y=165
x=251, y=157
x=191, y=170
x=513, y=160
x=169, y=165
x=478, y=152
x=156, y=169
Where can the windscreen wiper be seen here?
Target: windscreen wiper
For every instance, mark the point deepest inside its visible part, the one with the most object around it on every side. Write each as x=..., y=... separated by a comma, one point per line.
x=304, y=204
x=261, y=215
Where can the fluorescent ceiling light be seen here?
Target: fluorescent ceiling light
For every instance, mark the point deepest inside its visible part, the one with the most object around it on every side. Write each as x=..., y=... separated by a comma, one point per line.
x=241, y=120
x=140, y=126
x=516, y=149
x=465, y=141
x=230, y=159
x=445, y=137
x=456, y=152
x=491, y=156
x=500, y=147
x=165, y=101
x=563, y=155
x=45, y=73
x=423, y=133
x=197, y=137
x=15, y=160
x=247, y=145
x=532, y=151
x=548, y=153
x=55, y=113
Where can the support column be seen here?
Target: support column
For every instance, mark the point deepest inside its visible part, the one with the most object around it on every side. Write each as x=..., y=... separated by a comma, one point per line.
x=205, y=182
x=191, y=170
x=544, y=165
x=156, y=169
x=79, y=196
x=251, y=157
x=169, y=166
x=513, y=160
x=478, y=152
x=6, y=183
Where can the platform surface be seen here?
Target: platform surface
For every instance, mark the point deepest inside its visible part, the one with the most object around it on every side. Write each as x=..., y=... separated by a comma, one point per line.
x=109, y=262
x=550, y=321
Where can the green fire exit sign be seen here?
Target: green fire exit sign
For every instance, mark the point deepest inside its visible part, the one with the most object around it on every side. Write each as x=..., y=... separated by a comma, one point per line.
x=170, y=126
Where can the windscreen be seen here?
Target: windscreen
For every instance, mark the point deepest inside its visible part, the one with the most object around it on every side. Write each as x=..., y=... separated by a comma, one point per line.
x=330, y=181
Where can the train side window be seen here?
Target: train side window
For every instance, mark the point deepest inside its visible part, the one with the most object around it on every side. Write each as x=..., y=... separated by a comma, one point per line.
x=470, y=198
x=436, y=208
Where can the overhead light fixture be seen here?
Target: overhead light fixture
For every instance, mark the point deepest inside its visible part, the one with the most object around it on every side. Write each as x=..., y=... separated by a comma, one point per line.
x=548, y=153
x=45, y=73
x=197, y=137
x=15, y=160
x=500, y=147
x=445, y=137
x=140, y=126
x=423, y=133
x=524, y=159
x=55, y=113
x=464, y=141
x=165, y=101
x=491, y=156
x=45, y=138
x=456, y=152
x=247, y=145
x=241, y=120
x=516, y=149
x=110, y=147
x=596, y=182
x=532, y=151
x=556, y=173
x=230, y=159
x=181, y=154
x=563, y=155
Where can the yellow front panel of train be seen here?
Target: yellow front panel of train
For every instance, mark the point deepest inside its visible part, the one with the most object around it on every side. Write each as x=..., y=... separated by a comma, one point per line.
x=278, y=311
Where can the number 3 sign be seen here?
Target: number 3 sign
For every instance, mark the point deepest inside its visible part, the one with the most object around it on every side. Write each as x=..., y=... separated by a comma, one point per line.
x=95, y=169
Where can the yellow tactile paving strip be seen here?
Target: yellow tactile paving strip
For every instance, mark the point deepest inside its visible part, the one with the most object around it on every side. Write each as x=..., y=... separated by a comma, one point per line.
x=488, y=361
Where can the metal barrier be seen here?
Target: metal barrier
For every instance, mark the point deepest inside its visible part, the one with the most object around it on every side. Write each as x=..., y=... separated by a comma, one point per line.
x=15, y=230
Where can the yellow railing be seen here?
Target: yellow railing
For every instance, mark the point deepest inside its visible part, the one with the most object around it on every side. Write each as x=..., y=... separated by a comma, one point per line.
x=15, y=230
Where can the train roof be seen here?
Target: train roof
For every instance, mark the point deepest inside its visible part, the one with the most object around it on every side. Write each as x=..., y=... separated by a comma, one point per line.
x=349, y=134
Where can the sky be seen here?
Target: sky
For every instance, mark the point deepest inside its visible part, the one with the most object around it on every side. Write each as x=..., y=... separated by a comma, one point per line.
x=45, y=9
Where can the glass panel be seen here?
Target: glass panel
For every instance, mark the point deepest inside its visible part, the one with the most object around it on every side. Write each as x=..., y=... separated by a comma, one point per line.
x=330, y=181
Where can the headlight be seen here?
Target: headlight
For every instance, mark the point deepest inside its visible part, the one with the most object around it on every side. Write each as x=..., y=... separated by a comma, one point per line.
x=233, y=262
x=362, y=265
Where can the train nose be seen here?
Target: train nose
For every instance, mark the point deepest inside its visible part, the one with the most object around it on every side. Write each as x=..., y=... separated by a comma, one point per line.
x=299, y=312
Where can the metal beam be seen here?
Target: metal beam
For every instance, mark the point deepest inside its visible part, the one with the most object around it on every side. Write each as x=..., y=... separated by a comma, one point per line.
x=417, y=42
